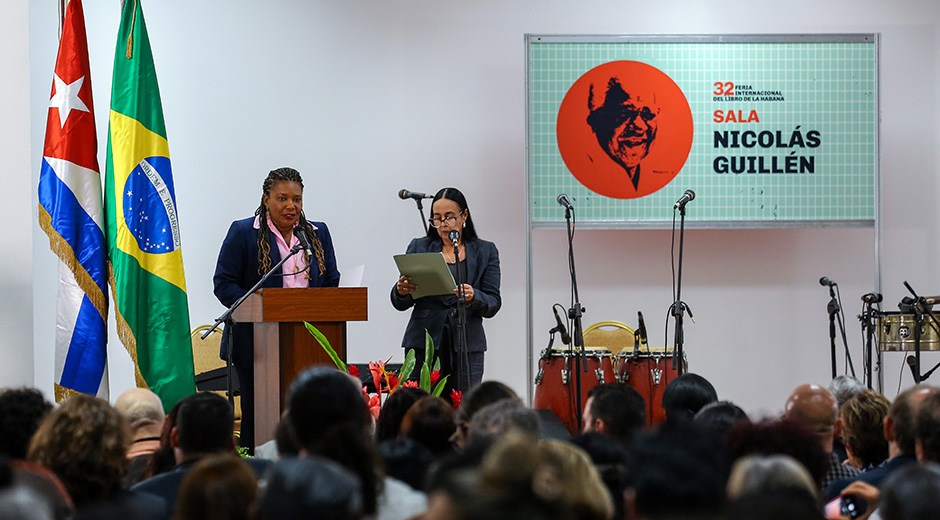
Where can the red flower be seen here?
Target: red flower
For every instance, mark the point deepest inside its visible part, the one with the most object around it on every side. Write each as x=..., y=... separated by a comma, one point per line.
x=377, y=370
x=409, y=384
x=375, y=406
x=392, y=380
x=435, y=376
x=455, y=397
x=353, y=370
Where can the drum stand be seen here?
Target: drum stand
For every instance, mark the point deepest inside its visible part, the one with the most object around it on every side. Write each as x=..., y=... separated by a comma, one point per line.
x=868, y=326
x=575, y=313
x=920, y=307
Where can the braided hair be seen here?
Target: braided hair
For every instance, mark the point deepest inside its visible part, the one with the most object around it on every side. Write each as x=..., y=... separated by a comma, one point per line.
x=264, y=245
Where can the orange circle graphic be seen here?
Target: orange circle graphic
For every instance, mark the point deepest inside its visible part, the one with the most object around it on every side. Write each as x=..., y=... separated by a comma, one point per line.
x=624, y=129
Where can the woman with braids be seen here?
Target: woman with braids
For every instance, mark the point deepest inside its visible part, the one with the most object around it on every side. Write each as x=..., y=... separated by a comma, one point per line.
x=478, y=265
x=253, y=247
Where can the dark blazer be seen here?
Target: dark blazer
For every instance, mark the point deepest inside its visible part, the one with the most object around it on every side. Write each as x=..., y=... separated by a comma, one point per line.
x=431, y=312
x=874, y=476
x=237, y=269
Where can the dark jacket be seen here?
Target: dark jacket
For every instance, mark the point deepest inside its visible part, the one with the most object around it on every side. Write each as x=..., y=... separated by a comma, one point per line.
x=431, y=312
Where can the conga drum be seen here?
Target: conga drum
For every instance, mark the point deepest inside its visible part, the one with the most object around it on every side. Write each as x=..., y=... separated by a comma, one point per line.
x=648, y=371
x=555, y=382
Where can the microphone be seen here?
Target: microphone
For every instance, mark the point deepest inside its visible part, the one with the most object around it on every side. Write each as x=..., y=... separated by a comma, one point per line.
x=826, y=282
x=642, y=329
x=872, y=298
x=301, y=235
x=565, y=337
x=405, y=195
x=911, y=361
x=907, y=304
x=563, y=200
x=932, y=300
x=687, y=197
x=454, y=236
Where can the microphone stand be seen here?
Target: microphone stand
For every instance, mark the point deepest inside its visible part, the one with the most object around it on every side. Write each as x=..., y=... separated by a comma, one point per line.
x=868, y=325
x=679, y=308
x=226, y=318
x=424, y=222
x=833, y=310
x=463, y=359
x=921, y=307
x=575, y=313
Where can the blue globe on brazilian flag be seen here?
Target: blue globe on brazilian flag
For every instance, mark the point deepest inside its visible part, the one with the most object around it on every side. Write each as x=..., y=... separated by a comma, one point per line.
x=141, y=222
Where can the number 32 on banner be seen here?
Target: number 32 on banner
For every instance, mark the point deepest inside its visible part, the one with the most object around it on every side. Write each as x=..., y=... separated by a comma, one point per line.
x=724, y=89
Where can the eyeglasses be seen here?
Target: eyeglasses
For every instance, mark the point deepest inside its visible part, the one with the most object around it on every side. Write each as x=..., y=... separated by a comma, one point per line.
x=436, y=222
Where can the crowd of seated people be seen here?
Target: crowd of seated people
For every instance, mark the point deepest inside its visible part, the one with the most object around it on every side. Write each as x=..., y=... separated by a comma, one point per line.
x=828, y=448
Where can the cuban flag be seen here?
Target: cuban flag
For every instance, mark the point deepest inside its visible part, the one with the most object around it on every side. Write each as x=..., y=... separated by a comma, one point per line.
x=70, y=212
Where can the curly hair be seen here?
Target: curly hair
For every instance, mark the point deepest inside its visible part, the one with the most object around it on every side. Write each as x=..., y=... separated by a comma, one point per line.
x=84, y=442
x=21, y=411
x=264, y=245
x=863, y=431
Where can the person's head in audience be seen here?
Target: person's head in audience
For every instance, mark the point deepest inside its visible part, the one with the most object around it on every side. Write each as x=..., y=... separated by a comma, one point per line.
x=84, y=443
x=430, y=422
x=284, y=437
x=495, y=420
x=407, y=460
x=773, y=505
x=485, y=393
x=721, y=416
x=330, y=419
x=23, y=503
x=614, y=409
x=610, y=458
x=205, y=425
x=928, y=429
x=844, y=388
x=143, y=412
x=21, y=411
x=780, y=437
x=816, y=409
x=685, y=395
x=757, y=474
x=911, y=493
x=552, y=473
x=218, y=487
x=164, y=458
x=39, y=482
x=310, y=488
x=388, y=425
x=863, y=418
x=678, y=471
x=900, y=428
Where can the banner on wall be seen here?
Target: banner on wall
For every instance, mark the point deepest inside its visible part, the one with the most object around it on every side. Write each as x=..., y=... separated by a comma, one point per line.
x=769, y=131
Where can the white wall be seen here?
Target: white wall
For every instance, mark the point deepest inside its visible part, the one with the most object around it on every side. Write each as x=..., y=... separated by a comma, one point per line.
x=16, y=211
x=368, y=97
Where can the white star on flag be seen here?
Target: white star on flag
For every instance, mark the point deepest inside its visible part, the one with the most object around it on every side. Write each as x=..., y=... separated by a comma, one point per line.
x=66, y=98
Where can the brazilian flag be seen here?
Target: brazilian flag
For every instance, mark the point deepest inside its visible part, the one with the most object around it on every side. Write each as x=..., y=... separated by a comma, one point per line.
x=142, y=224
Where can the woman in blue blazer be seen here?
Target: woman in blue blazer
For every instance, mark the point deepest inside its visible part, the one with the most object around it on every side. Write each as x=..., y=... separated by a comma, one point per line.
x=479, y=270
x=252, y=247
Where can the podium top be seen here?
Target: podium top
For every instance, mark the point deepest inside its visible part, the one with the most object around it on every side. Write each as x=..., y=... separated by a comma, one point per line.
x=319, y=304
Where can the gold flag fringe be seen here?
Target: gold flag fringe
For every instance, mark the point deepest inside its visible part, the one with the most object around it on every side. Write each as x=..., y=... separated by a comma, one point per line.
x=66, y=254
x=125, y=333
x=129, y=53
x=62, y=393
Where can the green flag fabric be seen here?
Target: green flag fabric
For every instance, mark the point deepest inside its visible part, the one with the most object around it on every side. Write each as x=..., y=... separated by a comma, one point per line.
x=141, y=222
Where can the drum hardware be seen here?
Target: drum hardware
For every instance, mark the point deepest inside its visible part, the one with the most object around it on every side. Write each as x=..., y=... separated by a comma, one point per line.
x=657, y=373
x=599, y=374
x=538, y=377
x=558, y=384
x=564, y=372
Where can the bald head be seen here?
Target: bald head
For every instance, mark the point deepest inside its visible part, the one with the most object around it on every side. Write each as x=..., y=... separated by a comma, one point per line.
x=815, y=407
x=142, y=409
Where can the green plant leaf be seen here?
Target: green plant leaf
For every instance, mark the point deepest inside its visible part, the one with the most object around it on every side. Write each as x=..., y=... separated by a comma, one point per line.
x=437, y=365
x=425, y=382
x=428, y=348
x=325, y=343
x=440, y=386
x=408, y=366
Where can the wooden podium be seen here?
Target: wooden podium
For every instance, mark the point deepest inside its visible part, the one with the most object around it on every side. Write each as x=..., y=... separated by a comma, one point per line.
x=284, y=347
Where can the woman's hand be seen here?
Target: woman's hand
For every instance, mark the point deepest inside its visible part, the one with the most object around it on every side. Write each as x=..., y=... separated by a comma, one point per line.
x=467, y=292
x=404, y=287
x=868, y=493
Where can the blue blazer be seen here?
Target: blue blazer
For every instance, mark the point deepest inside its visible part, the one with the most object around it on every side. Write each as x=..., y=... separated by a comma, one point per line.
x=237, y=270
x=431, y=312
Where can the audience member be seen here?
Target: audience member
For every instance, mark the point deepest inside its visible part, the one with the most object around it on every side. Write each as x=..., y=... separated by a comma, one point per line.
x=844, y=388
x=610, y=459
x=614, y=409
x=485, y=393
x=720, y=417
x=773, y=505
x=218, y=487
x=757, y=474
x=21, y=411
x=204, y=426
x=863, y=429
x=310, y=487
x=900, y=431
x=388, y=425
x=927, y=445
x=406, y=460
x=779, y=437
x=84, y=442
x=685, y=395
x=911, y=493
x=815, y=408
x=679, y=471
x=430, y=422
x=331, y=420
x=142, y=411
x=164, y=459
x=494, y=420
